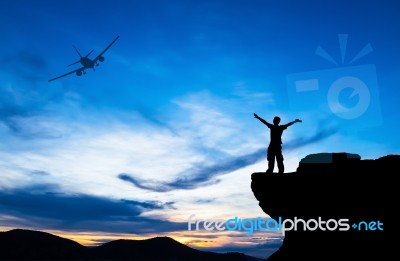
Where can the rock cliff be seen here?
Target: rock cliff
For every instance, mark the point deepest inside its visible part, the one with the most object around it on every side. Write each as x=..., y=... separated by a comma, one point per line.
x=331, y=186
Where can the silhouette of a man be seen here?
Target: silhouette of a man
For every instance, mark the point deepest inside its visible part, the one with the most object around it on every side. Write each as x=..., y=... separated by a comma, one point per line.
x=275, y=145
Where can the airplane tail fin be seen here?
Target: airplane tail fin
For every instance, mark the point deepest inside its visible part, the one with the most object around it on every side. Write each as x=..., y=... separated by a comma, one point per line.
x=80, y=56
x=89, y=53
x=77, y=52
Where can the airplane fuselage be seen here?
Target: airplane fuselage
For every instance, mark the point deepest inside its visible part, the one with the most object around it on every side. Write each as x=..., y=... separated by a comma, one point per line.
x=87, y=63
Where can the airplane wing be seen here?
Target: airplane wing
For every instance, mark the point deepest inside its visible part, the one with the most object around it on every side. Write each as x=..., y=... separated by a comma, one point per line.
x=68, y=73
x=105, y=50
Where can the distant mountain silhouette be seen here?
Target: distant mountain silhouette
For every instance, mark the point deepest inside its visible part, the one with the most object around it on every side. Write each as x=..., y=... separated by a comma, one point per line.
x=331, y=186
x=21, y=244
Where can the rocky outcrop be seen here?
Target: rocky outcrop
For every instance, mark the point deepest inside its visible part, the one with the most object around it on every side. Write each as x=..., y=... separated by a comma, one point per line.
x=331, y=186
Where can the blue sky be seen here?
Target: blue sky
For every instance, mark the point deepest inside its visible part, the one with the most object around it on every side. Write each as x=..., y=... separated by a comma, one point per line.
x=163, y=128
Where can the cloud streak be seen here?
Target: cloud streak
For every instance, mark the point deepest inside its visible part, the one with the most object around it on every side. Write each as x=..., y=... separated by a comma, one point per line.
x=44, y=204
x=25, y=98
x=198, y=176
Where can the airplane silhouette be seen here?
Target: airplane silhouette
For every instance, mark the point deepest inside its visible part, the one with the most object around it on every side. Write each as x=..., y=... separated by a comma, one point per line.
x=86, y=62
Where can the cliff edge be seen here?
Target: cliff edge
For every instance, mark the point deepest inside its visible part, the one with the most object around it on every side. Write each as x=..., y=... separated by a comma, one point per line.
x=341, y=199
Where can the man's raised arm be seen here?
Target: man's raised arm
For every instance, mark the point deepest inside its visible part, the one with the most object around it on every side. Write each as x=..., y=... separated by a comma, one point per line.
x=262, y=120
x=292, y=122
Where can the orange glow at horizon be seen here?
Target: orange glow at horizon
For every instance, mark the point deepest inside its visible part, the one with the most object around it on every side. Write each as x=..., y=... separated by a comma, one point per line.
x=198, y=239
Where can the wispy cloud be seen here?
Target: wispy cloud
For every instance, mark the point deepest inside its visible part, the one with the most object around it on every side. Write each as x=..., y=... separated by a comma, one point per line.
x=46, y=204
x=38, y=173
x=203, y=175
x=25, y=100
x=243, y=91
x=27, y=65
x=193, y=145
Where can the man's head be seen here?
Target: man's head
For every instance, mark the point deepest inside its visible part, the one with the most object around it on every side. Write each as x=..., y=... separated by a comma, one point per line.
x=277, y=120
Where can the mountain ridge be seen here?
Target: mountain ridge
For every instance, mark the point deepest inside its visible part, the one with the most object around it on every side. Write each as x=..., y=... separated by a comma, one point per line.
x=23, y=244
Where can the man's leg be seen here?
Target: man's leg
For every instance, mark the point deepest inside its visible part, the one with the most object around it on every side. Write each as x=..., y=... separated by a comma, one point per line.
x=271, y=160
x=279, y=159
x=271, y=165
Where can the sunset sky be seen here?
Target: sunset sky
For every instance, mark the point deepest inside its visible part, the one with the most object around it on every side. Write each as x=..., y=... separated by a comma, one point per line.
x=164, y=127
